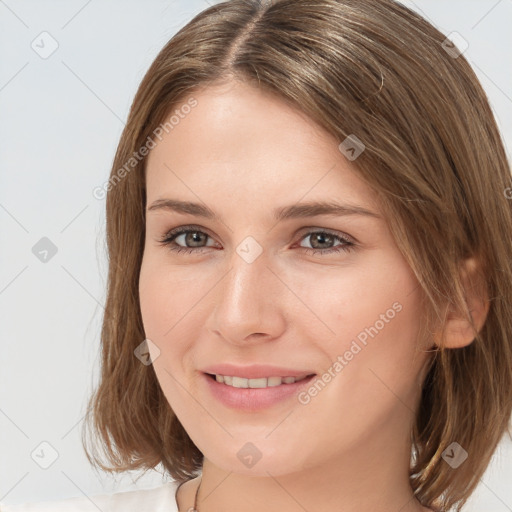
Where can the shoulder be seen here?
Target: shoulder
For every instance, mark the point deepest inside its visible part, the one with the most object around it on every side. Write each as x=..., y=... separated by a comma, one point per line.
x=156, y=499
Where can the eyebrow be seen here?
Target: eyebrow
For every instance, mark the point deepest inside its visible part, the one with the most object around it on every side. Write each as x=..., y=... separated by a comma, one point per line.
x=301, y=210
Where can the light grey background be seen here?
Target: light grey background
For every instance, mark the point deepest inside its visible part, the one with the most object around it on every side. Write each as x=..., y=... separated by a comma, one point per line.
x=61, y=118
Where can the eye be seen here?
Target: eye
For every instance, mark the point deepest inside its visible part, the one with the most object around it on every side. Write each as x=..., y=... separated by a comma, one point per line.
x=321, y=237
x=186, y=234
x=194, y=238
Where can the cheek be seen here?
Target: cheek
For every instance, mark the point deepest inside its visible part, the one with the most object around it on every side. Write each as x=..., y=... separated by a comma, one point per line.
x=376, y=324
x=160, y=307
x=372, y=311
x=170, y=301
x=166, y=312
x=154, y=297
x=377, y=352
x=165, y=295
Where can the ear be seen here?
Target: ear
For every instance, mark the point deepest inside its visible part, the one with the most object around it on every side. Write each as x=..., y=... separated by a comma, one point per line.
x=459, y=332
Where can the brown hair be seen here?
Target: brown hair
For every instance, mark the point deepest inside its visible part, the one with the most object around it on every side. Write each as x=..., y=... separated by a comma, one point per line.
x=434, y=155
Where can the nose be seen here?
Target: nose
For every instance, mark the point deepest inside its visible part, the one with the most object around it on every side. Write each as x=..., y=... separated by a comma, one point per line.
x=249, y=303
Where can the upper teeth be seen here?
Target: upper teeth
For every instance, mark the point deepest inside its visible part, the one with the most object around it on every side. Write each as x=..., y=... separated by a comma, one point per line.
x=240, y=382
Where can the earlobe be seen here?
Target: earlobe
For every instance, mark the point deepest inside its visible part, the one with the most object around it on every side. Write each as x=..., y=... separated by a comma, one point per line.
x=458, y=331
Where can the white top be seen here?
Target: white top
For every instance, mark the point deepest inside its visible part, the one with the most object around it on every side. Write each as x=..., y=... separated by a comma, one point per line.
x=157, y=499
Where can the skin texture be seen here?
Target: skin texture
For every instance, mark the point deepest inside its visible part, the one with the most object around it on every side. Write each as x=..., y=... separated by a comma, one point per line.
x=244, y=152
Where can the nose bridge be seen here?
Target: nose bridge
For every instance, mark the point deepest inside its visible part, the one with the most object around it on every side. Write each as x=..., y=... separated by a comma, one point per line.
x=246, y=298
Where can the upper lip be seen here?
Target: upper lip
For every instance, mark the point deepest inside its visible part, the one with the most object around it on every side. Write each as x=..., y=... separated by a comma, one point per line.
x=255, y=371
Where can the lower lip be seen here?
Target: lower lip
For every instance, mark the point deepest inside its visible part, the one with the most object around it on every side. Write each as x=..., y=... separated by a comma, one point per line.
x=254, y=399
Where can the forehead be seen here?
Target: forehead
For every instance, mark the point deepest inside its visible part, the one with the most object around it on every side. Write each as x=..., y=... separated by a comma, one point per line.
x=240, y=140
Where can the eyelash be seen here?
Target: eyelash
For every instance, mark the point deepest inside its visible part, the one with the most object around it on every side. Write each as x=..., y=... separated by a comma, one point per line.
x=169, y=237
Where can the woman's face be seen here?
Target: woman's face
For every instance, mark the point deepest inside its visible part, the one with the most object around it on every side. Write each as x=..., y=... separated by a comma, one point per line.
x=308, y=291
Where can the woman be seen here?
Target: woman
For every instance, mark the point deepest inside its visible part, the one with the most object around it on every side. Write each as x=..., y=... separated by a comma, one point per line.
x=256, y=365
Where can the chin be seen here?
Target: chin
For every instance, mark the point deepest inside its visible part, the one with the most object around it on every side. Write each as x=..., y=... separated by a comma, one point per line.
x=252, y=459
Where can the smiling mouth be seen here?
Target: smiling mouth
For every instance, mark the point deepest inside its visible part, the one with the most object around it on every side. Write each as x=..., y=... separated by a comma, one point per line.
x=261, y=383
